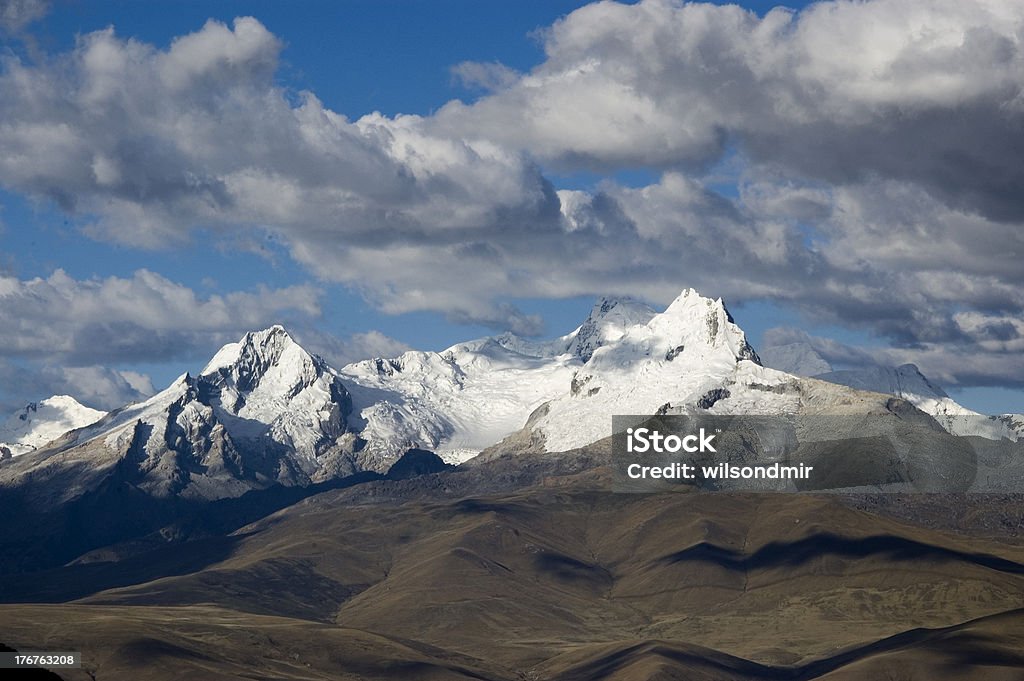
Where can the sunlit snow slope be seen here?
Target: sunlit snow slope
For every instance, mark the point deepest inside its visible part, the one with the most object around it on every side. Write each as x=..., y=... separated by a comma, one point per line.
x=40, y=422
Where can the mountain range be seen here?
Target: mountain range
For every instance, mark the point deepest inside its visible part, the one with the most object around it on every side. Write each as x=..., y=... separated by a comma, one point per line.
x=266, y=412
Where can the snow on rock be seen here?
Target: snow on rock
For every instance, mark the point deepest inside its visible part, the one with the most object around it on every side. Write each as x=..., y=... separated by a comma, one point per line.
x=263, y=411
x=267, y=384
x=461, y=400
x=455, y=402
x=1010, y=424
x=42, y=422
x=624, y=358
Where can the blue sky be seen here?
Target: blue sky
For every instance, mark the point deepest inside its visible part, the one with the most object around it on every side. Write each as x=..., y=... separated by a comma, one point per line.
x=400, y=58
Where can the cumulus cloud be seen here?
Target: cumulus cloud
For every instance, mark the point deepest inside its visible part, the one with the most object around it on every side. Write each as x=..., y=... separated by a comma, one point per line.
x=877, y=146
x=925, y=91
x=100, y=387
x=67, y=335
x=147, y=317
x=146, y=144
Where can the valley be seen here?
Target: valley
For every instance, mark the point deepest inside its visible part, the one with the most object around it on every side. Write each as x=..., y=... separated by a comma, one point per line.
x=556, y=580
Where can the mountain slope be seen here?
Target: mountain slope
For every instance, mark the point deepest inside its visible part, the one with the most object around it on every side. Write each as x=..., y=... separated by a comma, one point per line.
x=40, y=422
x=557, y=395
x=266, y=386
x=608, y=322
x=265, y=412
x=456, y=402
x=906, y=382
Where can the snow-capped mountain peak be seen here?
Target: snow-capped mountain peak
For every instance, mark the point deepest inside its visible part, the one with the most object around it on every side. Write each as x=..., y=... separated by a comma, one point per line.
x=692, y=328
x=266, y=384
x=41, y=422
x=677, y=358
x=607, y=322
x=263, y=410
x=264, y=366
x=692, y=317
x=255, y=352
x=624, y=358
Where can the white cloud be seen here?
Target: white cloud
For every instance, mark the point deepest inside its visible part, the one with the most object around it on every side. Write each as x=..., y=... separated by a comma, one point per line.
x=146, y=317
x=94, y=386
x=878, y=146
x=927, y=91
x=147, y=144
x=17, y=14
x=140, y=383
x=65, y=335
x=101, y=387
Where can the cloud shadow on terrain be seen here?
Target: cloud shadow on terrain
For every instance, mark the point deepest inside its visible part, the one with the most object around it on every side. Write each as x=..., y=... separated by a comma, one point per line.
x=790, y=554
